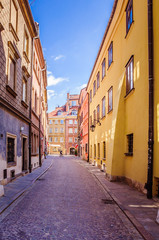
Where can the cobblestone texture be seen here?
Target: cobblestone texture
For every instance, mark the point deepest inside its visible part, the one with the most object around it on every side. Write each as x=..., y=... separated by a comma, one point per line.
x=66, y=204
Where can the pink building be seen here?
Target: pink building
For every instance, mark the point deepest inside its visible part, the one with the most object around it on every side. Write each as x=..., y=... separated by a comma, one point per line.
x=83, y=124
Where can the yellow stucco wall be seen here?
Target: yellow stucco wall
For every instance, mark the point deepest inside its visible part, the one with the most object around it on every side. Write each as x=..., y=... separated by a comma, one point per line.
x=130, y=114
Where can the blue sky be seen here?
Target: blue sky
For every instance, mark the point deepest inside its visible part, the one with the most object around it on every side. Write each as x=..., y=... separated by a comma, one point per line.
x=71, y=32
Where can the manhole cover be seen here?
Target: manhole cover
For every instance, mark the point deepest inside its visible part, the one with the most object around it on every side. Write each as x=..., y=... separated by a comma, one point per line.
x=107, y=201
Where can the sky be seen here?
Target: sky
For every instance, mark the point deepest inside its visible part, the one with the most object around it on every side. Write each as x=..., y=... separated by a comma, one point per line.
x=71, y=32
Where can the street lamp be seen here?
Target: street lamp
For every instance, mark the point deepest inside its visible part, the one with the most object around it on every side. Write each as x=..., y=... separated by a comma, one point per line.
x=92, y=127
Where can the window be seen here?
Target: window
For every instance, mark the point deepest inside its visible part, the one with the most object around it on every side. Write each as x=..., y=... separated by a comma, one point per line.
x=55, y=139
x=129, y=15
x=104, y=150
x=90, y=119
x=56, y=130
x=70, y=130
x=62, y=130
x=70, y=139
x=61, y=139
x=98, y=150
x=61, y=121
x=86, y=148
x=35, y=101
x=74, y=112
x=26, y=43
x=75, y=130
x=94, y=150
x=94, y=88
x=98, y=80
x=103, y=107
x=129, y=75
x=59, y=113
x=98, y=113
x=70, y=121
x=110, y=99
x=50, y=121
x=12, y=73
x=24, y=90
x=110, y=54
x=50, y=130
x=103, y=68
x=94, y=113
x=91, y=151
x=90, y=96
x=11, y=150
x=56, y=121
x=50, y=139
x=75, y=140
x=13, y=26
x=129, y=145
x=73, y=103
x=75, y=122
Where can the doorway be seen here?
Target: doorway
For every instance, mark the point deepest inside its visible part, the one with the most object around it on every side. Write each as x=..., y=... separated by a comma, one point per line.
x=72, y=151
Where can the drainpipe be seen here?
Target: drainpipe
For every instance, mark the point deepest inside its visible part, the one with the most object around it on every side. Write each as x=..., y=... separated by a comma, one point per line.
x=30, y=107
x=88, y=127
x=151, y=101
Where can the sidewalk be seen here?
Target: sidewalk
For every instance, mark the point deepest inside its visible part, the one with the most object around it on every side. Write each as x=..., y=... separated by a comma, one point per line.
x=142, y=212
x=15, y=189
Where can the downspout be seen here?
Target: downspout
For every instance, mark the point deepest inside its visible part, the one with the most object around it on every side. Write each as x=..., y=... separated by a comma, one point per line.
x=30, y=107
x=151, y=101
x=88, y=127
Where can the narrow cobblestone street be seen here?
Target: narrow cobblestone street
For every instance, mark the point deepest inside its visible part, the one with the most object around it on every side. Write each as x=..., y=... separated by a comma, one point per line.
x=66, y=203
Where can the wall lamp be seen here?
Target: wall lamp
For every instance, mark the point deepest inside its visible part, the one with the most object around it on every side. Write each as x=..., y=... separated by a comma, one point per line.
x=92, y=127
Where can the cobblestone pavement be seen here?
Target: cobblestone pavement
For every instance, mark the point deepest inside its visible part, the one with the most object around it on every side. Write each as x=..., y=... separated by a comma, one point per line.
x=66, y=204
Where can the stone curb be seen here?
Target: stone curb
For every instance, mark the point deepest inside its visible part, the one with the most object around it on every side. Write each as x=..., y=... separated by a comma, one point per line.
x=146, y=235
x=19, y=194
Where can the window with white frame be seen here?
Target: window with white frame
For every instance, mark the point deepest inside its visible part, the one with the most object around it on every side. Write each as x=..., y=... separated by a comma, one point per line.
x=50, y=139
x=61, y=130
x=50, y=121
x=56, y=130
x=75, y=140
x=110, y=99
x=70, y=130
x=70, y=121
x=130, y=75
x=50, y=130
x=24, y=98
x=56, y=121
x=75, y=122
x=70, y=139
x=75, y=130
x=98, y=80
x=61, y=121
x=56, y=139
x=61, y=139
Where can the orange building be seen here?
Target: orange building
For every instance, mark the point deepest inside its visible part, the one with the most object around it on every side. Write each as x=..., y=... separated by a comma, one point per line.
x=83, y=125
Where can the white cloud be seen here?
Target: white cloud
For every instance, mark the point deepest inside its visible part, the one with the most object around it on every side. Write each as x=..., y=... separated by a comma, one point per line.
x=81, y=87
x=50, y=94
x=54, y=81
x=59, y=57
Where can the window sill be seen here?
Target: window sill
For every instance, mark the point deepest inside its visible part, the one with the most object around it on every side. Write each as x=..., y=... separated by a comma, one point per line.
x=128, y=154
x=103, y=117
x=129, y=93
x=129, y=29
x=1, y=27
x=109, y=111
x=24, y=104
x=11, y=164
x=104, y=159
x=11, y=29
x=11, y=91
x=26, y=57
x=110, y=65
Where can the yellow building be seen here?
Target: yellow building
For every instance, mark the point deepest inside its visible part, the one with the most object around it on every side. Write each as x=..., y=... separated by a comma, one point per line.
x=56, y=131
x=119, y=95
